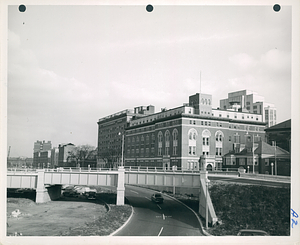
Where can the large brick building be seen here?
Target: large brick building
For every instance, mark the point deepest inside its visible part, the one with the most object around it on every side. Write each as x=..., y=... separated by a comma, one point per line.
x=41, y=154
x=192, y=136
x=111, y=130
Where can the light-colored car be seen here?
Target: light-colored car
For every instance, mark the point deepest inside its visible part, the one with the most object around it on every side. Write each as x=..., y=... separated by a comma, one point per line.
x=247, y=232
x=86, y=192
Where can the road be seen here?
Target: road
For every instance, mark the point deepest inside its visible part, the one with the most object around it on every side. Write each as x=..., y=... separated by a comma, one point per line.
x=149, y=219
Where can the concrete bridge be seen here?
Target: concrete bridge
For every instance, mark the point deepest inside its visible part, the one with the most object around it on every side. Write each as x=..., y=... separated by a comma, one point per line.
x=48, y=182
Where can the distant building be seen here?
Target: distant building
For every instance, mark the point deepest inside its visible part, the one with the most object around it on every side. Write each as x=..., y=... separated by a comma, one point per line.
x=110, y=131
x=54, y=157
x=40, y=146
x=63, y=155
x=249, y=101
x=41, y=154
x=280, y=134
x=19, y=162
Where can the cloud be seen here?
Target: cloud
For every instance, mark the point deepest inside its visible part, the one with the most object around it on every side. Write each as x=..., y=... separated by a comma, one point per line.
x=43, y=105
x=276, y=61
x=243, y=61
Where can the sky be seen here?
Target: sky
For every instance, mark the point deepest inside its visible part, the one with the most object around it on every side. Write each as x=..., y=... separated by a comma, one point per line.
x=69, y=66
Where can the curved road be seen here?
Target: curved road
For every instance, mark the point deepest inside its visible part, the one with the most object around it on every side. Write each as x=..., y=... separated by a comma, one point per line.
x=149, y=219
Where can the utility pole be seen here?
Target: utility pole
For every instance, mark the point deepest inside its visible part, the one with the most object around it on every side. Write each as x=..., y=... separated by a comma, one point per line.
x=8, y=153
x=253, y=154
x=275, y=159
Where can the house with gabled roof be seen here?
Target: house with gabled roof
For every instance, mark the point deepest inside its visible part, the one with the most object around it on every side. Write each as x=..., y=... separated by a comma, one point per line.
x=268, y=159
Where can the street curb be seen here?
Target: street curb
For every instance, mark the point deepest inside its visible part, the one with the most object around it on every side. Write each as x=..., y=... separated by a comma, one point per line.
x=203, y=231
x=120, y=228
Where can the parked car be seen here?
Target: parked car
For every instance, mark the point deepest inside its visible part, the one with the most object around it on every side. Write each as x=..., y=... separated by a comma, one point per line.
x=247, y=232
x=88, y=192
x=70, y=191
x=157, y=198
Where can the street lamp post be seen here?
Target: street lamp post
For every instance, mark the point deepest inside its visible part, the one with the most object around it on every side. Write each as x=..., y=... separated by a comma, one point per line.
x=206, y=206
x=272, y=164
x=122, y=163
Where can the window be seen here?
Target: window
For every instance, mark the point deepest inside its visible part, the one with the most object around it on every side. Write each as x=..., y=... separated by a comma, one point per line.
x=192, y=141
x=160, y=139
x=167, y=143
x=242, y=161
x=218, y=151
x=205, y=141
x=236, y=138
x=175, y=141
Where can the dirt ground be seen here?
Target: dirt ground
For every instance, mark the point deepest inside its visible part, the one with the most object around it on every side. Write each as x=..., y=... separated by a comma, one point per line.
x=49, y=219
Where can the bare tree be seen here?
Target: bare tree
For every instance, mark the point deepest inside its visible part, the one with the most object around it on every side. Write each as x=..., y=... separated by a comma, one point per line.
x=110, y=157
x=82, y=155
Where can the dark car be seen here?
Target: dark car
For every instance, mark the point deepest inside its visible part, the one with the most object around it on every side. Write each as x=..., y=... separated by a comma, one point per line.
x=70, y=191
x=247, y=232
x=157, y=198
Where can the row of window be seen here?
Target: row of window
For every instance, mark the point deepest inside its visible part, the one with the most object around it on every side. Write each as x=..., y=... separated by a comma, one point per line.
x=231, y=125
x=241, y=161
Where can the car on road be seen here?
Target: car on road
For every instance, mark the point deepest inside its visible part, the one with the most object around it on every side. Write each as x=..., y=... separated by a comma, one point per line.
x=157, y=198
x=247, y=232
x=70, y=191
x=88, y=192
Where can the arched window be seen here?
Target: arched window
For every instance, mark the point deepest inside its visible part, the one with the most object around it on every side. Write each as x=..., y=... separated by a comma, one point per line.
x=167, y=143
x=205, y=141
x=175, y=141
x=192, y=141
x=219, y=142
x=160, y=139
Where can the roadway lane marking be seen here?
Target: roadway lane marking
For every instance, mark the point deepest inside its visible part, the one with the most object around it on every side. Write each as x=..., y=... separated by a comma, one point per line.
x=160, y=231
x=134, y=192
x=158, y=206
x=163, y=216
x=148, y=198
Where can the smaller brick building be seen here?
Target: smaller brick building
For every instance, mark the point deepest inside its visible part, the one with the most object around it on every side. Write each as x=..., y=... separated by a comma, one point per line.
x=281, y=134
x=268, y=159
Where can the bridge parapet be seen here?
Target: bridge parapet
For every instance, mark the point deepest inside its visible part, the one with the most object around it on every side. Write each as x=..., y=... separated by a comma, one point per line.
x=22, y=179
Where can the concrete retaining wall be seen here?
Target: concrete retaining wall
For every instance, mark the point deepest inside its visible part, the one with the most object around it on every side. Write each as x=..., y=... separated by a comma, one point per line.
x=54, y=192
